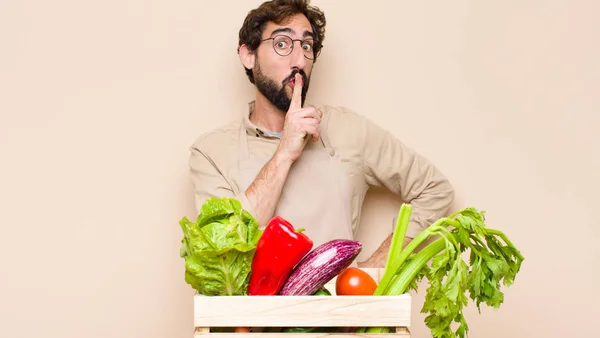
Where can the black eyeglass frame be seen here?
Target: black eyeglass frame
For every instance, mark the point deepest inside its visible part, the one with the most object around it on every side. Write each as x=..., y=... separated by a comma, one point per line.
x=315, y=45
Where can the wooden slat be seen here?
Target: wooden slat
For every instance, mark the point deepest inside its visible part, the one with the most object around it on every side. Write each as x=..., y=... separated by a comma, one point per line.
x=402, y=329
x=307, y=311
x=303, y=335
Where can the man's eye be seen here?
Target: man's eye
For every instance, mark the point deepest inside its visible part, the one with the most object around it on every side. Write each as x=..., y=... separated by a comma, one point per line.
x=281, y=45
x=307, y=47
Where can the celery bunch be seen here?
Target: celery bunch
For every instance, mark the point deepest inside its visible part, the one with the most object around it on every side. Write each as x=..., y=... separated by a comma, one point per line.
x=493, y=260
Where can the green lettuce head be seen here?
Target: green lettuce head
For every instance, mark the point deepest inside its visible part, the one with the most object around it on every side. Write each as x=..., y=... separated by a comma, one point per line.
x=218, y=248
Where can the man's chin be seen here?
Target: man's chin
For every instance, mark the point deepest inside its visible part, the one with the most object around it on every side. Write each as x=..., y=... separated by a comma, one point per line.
x=289, y=91
x=283, y=99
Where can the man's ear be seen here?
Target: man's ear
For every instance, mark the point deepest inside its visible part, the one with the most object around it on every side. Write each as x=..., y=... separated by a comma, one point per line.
x=247, y=57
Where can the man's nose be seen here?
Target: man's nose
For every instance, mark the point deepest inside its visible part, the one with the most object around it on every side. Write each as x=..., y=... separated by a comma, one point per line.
x=297, y=58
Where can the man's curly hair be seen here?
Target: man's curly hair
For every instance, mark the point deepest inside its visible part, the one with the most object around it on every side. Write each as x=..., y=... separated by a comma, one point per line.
x=277, y=11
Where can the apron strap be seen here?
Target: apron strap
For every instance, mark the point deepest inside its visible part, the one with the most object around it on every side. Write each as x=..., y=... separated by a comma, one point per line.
x=325, y=139
x=243, y=143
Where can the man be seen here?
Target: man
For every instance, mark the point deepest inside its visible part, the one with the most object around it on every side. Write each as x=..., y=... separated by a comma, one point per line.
x=310, y=165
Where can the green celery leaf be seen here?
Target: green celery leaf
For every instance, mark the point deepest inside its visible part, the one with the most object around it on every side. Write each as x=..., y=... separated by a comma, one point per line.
x=463, y=328
x=445, y=297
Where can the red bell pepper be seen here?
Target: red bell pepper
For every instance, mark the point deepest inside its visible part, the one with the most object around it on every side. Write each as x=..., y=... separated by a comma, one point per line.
x=278, y=250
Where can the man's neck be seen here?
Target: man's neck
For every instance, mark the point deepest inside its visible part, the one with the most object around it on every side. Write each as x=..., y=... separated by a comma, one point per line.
x=266, y=115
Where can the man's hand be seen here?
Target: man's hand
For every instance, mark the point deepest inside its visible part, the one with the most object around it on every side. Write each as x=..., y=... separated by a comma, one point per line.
x=373, y=262
x=299, y=124
x=380, y=256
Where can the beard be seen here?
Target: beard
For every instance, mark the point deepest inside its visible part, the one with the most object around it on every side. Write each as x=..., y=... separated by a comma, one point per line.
x=276, y=93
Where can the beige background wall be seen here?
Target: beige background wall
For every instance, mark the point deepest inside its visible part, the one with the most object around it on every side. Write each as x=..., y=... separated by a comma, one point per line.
x=100, y=100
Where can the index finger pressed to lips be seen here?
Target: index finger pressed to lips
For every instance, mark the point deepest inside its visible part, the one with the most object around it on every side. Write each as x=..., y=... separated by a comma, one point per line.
x=297, y=94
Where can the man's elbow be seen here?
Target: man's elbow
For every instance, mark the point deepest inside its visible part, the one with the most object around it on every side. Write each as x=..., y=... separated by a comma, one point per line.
x=447, y=193
x=449, y=190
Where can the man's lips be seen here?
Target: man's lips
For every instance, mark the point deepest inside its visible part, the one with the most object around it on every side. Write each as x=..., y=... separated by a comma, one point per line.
x=292, y=81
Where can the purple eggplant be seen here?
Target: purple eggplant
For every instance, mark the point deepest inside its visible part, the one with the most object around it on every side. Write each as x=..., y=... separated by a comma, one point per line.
x=320, y=266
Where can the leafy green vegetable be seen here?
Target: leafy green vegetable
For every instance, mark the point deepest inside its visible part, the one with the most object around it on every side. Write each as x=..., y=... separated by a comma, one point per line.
x=493, y=260
x=218, y=248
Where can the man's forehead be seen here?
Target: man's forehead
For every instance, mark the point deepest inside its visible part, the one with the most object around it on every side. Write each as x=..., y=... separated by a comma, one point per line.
x=296, y=25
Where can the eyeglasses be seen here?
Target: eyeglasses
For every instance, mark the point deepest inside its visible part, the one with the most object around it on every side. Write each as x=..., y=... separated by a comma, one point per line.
x=284, y=45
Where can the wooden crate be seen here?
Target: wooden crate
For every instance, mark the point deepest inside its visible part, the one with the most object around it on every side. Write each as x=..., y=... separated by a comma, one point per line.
x=303, y=311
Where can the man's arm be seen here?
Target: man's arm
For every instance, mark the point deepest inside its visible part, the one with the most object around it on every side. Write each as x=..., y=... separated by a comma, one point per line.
x=389, y=163
x=264, y=192
x=260, y=199
x=379, y=257
x=208, y=180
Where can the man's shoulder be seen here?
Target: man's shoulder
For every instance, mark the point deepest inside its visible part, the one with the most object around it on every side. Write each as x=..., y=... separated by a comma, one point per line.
x=218, y=140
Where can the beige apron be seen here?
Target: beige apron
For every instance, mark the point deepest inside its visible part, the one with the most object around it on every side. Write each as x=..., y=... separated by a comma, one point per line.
x=316, y=195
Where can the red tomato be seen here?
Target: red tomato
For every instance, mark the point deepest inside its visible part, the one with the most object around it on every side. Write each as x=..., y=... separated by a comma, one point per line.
x=354, y=282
